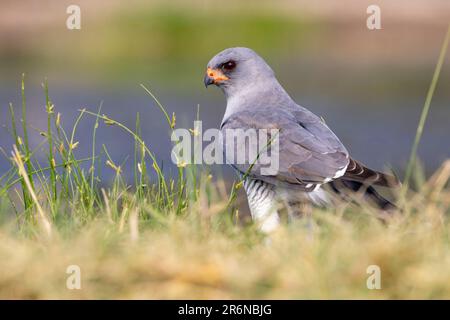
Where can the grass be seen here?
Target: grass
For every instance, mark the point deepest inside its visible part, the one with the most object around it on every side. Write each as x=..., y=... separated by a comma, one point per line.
x=182, y=236
x=425, y=110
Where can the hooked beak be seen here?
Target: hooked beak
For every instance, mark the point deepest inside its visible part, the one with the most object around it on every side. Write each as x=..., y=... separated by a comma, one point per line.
x=214, y=76
x=207, y=80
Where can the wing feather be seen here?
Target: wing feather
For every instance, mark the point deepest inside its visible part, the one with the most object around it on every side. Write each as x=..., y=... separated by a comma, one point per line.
x=309, y=152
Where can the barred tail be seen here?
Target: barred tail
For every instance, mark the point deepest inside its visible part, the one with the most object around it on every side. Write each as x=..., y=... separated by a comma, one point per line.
x=343, y=187
x=360, y=173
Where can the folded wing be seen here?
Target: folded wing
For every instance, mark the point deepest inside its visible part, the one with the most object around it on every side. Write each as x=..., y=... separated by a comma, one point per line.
x=309, y=152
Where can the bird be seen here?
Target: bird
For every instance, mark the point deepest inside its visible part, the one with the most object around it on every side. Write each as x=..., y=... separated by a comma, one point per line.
x=315, y=168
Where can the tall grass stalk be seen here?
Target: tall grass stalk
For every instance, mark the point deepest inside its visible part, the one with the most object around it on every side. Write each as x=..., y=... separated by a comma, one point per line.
x=163, y=184
x=27, y=200
x=423, y=116
x=42, y=217
x=51, y=159
x=92, y=167
x=18, y=142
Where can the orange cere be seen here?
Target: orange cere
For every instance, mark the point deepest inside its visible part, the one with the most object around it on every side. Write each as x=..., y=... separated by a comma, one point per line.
x=216, y=74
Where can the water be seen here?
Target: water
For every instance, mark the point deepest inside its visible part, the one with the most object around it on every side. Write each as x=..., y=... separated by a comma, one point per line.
x=377, y=131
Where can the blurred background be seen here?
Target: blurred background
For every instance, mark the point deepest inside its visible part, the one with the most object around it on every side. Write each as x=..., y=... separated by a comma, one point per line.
x=369, y=86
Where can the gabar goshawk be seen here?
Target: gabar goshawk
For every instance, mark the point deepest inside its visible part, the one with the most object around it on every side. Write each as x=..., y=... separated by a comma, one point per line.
x=314, y=166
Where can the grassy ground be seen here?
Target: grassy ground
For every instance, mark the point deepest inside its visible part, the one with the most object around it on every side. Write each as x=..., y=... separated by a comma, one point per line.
x=181, y=236
x=138, y=251
x=186, y=259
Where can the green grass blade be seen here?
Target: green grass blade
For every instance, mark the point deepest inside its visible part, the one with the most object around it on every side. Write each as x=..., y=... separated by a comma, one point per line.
x=424, y=115
x=27, y=201
x=51, y=160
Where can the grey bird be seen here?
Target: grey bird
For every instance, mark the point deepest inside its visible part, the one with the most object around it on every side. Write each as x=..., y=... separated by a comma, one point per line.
x=314, y=166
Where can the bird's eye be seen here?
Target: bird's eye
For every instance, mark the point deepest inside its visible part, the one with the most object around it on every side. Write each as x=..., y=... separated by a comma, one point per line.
x=229, y=65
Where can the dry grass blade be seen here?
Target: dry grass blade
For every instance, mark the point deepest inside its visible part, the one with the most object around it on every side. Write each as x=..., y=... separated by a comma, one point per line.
x=134, y=225
x=42, y=217
x=108, y=208
x=438, y=181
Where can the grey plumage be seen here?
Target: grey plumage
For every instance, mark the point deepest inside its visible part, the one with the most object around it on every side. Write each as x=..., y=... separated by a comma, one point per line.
x=310, y=154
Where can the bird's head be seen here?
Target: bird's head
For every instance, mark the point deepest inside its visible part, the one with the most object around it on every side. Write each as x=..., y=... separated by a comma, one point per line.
x=234, y=69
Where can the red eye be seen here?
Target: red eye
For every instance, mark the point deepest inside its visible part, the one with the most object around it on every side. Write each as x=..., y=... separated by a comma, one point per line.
x=230, y=65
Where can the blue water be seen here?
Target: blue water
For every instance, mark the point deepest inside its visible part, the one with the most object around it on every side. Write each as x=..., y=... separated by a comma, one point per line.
x=377, y=131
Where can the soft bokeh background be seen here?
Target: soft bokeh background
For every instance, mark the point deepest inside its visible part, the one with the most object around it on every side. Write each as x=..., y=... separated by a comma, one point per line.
x=368, y=85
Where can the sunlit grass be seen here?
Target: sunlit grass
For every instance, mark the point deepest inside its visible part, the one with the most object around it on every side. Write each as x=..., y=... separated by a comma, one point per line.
x=197, y=256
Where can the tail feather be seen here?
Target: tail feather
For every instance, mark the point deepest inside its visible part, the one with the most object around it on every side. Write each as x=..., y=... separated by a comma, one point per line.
x=345, y=187
x=360, y=173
